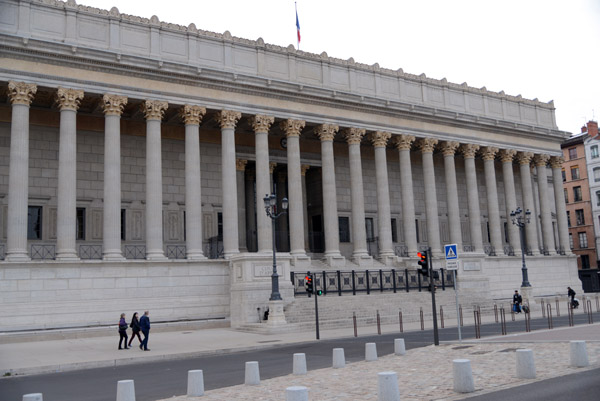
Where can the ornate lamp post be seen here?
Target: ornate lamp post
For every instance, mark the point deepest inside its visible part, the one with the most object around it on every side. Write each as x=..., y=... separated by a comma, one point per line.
x=271, y=209
x=519, y=220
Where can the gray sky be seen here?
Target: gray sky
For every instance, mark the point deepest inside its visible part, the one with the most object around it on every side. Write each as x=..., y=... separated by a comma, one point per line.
x=545, y=49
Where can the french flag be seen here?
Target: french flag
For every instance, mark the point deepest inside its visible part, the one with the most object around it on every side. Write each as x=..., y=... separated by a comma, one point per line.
x=297, y=26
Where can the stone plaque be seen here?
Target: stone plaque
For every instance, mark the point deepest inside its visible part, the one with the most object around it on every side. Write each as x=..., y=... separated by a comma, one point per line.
x=266, y=270
x=470, y=266
x=97, y=221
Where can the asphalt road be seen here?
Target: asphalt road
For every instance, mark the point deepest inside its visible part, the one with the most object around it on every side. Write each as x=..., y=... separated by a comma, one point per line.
x=164, y=379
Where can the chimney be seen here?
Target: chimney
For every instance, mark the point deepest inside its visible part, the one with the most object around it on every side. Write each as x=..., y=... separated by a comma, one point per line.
x=592, y=128
x=583, y=129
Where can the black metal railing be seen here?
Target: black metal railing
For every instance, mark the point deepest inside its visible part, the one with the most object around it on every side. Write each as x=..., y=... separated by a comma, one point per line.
x=135, y=251
x=468, y=248
x=214, y=248
x=336, y=282
x=528, y=251
x=489, y=250
x=401, y=251
x=560, y=250
x=43, y=252
x=176, y=251
x=508, y=250
x=90, y=251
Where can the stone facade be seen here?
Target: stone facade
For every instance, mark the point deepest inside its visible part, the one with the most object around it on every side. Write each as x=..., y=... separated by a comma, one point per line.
x=155, y=144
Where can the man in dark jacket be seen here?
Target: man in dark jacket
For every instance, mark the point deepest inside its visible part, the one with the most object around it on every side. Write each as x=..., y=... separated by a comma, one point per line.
x=517, y=301
x=571, y=294
x=145, y=326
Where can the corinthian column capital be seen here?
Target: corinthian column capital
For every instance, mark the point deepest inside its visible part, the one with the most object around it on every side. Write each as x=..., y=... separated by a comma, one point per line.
x=507, y=155
x=556, y=161
x=113, y=104
x=68, y=99
x=541, y=160
x=449, y=148
x=228, y=118
x=468, y=150
x=426, y=145
x=240, y=164
x=524, y=157
x=21, y=92
x=353, y=135
x=326, y=132
x=272, y=166
x=192, y=114
x=404, y=142
x=261, y=123
x=303, y=169
x=292, y=127
x=380, y=138
x=489, y=152
x=154, y=109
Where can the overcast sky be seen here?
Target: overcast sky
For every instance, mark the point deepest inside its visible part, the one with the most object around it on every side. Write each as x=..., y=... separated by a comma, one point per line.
x=545, y=49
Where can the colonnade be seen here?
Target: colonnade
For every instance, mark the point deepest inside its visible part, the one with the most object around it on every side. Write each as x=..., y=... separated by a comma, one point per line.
x=22, y=94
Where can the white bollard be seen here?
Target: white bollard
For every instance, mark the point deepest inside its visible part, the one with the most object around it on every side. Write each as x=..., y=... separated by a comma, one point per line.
x=388, y=386
x=399, y=347
x=579, y=357
x=463, y=376
x=125, y=390
x=33, y=397
x=195, y=385
x=525, y=364
x=252, y=374
x=299, y=364
x=370, y=352
x=339, y=359
x=296, y=393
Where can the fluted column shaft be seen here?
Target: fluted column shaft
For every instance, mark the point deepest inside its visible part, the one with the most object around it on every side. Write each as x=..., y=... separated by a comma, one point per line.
x=542, y=174
x=303, y=170
x=359, y=235
x=293, y=129
x=473, y=197
x=403, y=143
x=449, y=149
x=507, y=156
x=559, y=199
x=431, y=208
x=228, y=120
x=240, y=166
x=261, y=126
x=530, y=228
x=489, y=154
x=113, y=107
x=384, y=216
x=21, y=94
x=66, y=214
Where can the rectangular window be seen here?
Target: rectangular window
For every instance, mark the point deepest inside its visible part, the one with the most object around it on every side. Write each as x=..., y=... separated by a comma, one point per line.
x=80, y=224
x=394, y=231
x=594, y=151
x=580, y=219
x=370, y=227
x=564, y=175
x=220, y=226
x=571, y=241
x=506, y=232
x=123, y=221
x=572, y=153
x=417, y=229
x=582, y=240
x=577, y=194
x=596, y=174
x=575, y=173
x=569, y=218
x=597, y=198
x=585, y=261
x=34, y=222
x=566, y=195
x=344, y=227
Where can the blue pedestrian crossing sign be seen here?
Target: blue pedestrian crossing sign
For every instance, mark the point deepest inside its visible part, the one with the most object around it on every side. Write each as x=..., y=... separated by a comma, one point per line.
x=451, y=252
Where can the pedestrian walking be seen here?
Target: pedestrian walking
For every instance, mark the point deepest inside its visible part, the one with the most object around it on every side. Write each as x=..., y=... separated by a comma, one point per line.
x=145, y=326
x=517, y=301
x=135, y=329
x=123, y=332
x=571, y=294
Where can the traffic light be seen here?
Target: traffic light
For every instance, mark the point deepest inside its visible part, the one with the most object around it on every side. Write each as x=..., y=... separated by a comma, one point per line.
x=423, y=263
x=308, y=283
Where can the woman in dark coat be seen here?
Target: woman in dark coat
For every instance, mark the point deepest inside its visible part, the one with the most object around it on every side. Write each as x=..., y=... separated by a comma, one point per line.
x=123, y=332
x=135, y=328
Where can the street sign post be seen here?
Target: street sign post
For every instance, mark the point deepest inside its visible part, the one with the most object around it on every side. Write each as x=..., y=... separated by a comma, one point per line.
x=451, y=253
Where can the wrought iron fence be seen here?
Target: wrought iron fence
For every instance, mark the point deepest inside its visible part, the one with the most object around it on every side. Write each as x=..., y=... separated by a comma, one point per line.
x=338, y=282
x=90, y=251
x=508, y=250
x=468, y=248
x=176, y=251
x=43, y=252
x=214, y=248
x=528, y=251
x=560, y=250
x=544, y=251
x=489, y=250
x=401, y=251
x=135, y=251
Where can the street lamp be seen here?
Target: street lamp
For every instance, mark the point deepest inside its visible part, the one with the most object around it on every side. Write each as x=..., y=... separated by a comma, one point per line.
x=520, y=221
x=271, y=209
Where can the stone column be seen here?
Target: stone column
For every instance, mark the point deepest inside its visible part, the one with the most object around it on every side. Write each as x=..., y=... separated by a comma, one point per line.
x=559, y=199
x=292, y=130
x=524, y=159
x=426, y=146
x=326, y=133
x=489, y=154
x=251, y=210
x=468, y=151
x=449, y=149
x=154, y=111
x=21, y=95
x=192, y=116
x=261, y=125
x=384, y=216
x=227, y=120
x=303, y=169
x=360, y=255
x=506, y=156
x=113, y=108
x=240, y=167
x=542, y=174
x=66, y=214
x=403, y=143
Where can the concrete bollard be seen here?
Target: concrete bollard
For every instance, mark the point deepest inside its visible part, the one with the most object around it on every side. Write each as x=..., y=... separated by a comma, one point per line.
x=252, y=374
x=579, y=357
x=296, y=393
x=125, y=390
x=339, y=359
x=299, y=364
x=370, y=352
x=399, y=347
x=388, y=387
x=463, y=376
x=195, y=386
x=33, y=397
x=525, y=364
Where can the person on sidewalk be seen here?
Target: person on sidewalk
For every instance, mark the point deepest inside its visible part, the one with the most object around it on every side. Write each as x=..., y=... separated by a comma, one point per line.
x=135, y=329
x=571, y=294
x=517, y=301
x=123, y=332
x=145, y=326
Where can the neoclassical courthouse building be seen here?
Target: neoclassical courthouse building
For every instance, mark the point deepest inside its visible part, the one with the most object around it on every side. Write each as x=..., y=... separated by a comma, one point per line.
x=135, y=155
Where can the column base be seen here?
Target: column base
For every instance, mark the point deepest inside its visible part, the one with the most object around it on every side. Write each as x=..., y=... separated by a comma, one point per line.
x=113, y=257
x=388, y=259
x=335, y=260
x=363, y=259
x=276, y=315
x=67, y=257
x=195, y=256
x=160, y=256
x=17, y=257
